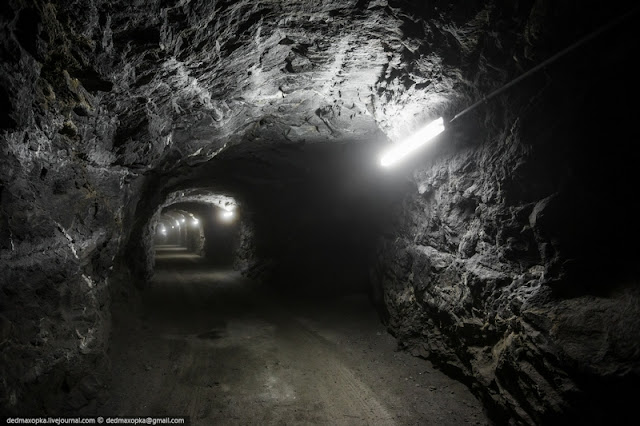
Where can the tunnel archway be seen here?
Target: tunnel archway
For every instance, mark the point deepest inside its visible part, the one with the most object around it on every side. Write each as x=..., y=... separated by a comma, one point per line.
x=202, y=229
x=309, y=216
x=198, y=220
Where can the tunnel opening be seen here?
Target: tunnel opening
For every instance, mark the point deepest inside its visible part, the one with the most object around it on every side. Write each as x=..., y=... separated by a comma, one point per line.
x=200, y=223
x=309, y=221
x=314, y=212
x=207, y=231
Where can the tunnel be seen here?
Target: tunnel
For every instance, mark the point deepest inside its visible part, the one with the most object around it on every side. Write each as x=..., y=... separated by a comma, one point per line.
x=347, y=212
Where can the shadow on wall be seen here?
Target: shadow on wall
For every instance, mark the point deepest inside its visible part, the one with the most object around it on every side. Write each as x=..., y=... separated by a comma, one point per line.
x=221, y=239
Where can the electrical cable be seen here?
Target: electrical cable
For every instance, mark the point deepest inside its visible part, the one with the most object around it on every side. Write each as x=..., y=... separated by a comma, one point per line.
x=542, y=65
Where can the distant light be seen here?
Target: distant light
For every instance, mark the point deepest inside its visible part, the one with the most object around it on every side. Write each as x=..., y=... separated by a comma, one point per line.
x=415, y=141
x=227, y=215
x=177, y=223
x=172, y=227
x=182, y=220
x=196, y=221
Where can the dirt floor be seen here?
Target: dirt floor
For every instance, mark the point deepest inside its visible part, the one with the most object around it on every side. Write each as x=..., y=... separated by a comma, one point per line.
x=212, y=345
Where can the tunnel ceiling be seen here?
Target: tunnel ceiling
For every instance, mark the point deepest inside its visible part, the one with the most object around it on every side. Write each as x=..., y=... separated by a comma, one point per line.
x=201, y=195
x=155, y=83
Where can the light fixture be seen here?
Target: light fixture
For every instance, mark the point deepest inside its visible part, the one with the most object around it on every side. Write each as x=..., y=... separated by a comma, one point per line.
x=226, y=215
x=195, y=221
x=172, y=227
x=399, y=151
x=182, y=220
x=177, y=223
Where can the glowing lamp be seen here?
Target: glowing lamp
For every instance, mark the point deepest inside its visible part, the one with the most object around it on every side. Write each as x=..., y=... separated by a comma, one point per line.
x=196, y=221
x=182, y=220
x=398, y=151
x=177, y=223
x=227, y=215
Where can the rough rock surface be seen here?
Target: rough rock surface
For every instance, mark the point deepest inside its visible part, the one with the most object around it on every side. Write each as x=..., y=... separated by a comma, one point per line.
x=505, y=267
x=107, y=107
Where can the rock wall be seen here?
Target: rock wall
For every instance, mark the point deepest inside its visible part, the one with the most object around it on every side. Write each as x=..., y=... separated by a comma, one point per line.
x=62, y=215
x=512, y=264
x=195, y=240
x=245, y=253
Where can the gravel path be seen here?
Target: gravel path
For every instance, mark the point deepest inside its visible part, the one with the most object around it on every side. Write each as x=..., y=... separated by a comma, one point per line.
x=211, y=345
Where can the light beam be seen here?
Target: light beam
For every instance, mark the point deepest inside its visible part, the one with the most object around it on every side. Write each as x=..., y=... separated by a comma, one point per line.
x=399, y=151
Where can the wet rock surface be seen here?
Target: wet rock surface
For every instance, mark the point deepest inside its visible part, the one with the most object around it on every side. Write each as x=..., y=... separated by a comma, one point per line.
x=508, y=262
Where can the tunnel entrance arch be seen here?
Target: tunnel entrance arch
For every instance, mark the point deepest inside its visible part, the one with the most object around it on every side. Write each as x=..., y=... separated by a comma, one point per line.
x=200, y=222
